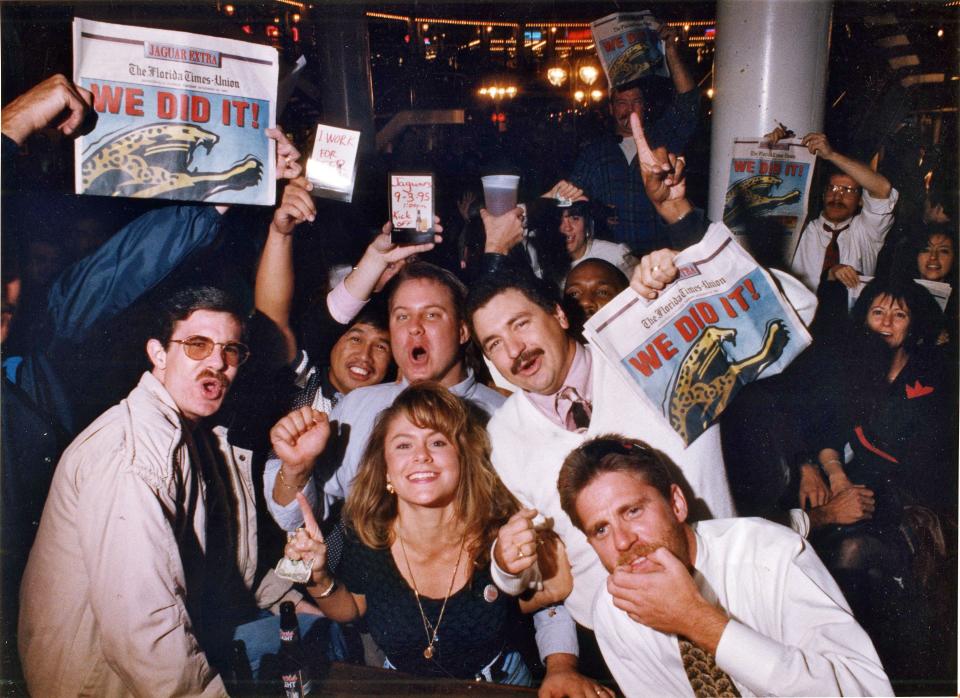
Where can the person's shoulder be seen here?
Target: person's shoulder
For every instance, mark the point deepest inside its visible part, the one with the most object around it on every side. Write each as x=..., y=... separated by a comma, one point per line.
x=487, y=397
x=601, y=144
x=367, y=398
x=508, y=414
x=761, y=536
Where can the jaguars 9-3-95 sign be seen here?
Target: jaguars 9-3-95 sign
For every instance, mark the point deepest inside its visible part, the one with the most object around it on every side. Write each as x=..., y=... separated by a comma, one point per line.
x=179, y=116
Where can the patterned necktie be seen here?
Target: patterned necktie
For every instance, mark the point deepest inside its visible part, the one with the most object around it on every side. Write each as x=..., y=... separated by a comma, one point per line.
x=706, y=678
x=831, y=257
x=578, y=416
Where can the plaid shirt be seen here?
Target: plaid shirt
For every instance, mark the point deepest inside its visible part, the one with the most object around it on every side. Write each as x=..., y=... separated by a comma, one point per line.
x=602, y=171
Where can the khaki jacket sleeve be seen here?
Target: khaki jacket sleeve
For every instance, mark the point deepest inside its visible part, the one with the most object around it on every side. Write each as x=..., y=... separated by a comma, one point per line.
x=274, y=590
x=137, y=579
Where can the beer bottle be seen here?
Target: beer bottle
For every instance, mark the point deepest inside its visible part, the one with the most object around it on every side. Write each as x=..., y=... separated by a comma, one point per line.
x=293, y=667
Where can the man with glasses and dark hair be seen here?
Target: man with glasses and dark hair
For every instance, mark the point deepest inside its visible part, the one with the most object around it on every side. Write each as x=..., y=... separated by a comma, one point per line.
x=723, y=607
x=148, y=541
x=844, y=241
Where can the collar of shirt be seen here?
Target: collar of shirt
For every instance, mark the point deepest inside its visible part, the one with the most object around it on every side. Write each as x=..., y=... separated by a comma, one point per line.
x=578, y=377
x=462, y=389
x=629, y=148
x=823, y=221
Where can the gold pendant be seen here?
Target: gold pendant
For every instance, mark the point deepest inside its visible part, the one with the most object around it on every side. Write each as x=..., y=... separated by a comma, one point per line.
x=428, y=653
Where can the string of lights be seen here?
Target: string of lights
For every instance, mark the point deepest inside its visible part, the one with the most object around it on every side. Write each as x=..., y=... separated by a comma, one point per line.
x=686, y=25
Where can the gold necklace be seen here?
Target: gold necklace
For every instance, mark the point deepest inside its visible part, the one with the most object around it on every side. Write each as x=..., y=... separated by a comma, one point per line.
x=427, y=625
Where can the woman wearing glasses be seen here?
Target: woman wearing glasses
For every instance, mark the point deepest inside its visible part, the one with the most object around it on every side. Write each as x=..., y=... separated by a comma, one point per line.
x=419, y=524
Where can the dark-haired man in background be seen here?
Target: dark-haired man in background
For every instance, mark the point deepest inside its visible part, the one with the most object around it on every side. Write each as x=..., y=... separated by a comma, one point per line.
x=606, y=169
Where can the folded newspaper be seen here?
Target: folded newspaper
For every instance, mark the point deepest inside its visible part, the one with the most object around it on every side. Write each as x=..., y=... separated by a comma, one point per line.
x=629, y=46
x=940, y=291
x=720, y=325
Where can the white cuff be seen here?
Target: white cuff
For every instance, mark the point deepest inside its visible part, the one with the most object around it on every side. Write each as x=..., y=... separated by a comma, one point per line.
x=556, y=632
x=288, y=517
x=514, y=584
x=749, y=657
x=800, y=522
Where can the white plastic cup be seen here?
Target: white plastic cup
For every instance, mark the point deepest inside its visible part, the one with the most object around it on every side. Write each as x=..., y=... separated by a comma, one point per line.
x=500, y=193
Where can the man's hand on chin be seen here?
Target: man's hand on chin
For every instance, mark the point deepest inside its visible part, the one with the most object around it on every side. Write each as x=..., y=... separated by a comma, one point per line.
x=664, y=597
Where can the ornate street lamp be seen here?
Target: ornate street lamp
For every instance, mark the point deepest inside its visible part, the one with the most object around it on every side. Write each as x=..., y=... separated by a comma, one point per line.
x=556, y=76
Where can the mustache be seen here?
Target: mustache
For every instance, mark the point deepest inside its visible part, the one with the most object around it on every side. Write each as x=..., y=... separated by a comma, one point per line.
x=525, y=357
x=637, y=550
x=219, y=377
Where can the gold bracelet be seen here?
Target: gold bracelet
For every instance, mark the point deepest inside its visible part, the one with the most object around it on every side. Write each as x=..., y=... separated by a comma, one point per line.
x=330, y=589
x=283, y=482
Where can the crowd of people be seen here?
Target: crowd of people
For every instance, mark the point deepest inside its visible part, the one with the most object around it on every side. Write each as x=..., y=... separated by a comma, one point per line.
x=476, y=492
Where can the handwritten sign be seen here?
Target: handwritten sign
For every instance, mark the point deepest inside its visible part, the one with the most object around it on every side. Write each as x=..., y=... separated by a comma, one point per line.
x=332, y=166
x=411, y=202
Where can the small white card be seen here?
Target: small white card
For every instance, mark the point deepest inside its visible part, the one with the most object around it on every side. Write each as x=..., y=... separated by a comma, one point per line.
x=332, y=166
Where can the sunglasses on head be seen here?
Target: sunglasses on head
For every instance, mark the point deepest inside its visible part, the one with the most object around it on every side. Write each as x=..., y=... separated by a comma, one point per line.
x=600, y=448
x=198, y=347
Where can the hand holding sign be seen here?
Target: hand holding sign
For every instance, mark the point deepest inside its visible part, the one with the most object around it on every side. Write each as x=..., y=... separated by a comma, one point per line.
x=654, y=272
x=296, y=207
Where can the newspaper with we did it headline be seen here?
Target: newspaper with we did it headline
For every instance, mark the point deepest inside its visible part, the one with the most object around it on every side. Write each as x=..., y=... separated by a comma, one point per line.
x=721, y=324
x=179, y=116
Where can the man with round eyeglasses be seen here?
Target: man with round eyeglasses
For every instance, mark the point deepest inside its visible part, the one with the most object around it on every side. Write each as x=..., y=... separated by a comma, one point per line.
x=844, y=241
x=149, y=534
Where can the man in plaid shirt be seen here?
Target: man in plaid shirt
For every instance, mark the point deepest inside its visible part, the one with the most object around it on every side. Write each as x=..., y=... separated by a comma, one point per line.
x=606, y=169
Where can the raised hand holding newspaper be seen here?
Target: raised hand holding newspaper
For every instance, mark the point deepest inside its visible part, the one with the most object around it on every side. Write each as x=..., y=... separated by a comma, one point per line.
x=179, y=116
x=695, y=326
x=718, y=326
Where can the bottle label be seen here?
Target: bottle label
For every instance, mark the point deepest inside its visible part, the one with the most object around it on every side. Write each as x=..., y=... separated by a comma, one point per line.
x=293, y=685
x=288, y=635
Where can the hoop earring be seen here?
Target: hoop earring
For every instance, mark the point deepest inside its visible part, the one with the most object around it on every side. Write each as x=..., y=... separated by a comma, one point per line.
x=390, y=488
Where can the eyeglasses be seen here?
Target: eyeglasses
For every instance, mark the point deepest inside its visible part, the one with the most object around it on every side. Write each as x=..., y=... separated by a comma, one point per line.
x=199, y=347
x=842, y=189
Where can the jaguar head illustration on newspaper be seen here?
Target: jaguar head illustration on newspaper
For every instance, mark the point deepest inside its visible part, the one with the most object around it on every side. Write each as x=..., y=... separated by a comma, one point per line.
x=752, y=196
x=708, y=379
x=155, y=160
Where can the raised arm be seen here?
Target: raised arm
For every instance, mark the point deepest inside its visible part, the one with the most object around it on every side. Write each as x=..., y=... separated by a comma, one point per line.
x=55, y=101
x=872, y=182
x=273, y=292
x=381, y=260
x=125, y=267
x=682, y=79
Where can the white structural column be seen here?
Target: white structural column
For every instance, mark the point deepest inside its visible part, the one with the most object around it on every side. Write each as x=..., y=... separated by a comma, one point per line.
x=771, y=65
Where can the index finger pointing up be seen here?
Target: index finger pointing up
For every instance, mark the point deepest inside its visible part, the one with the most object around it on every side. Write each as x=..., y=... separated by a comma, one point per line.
x=644, y=154
x=309, y=520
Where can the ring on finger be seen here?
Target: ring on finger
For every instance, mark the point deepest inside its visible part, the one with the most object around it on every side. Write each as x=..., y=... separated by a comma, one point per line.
x=656, y=268
x=520, y=553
